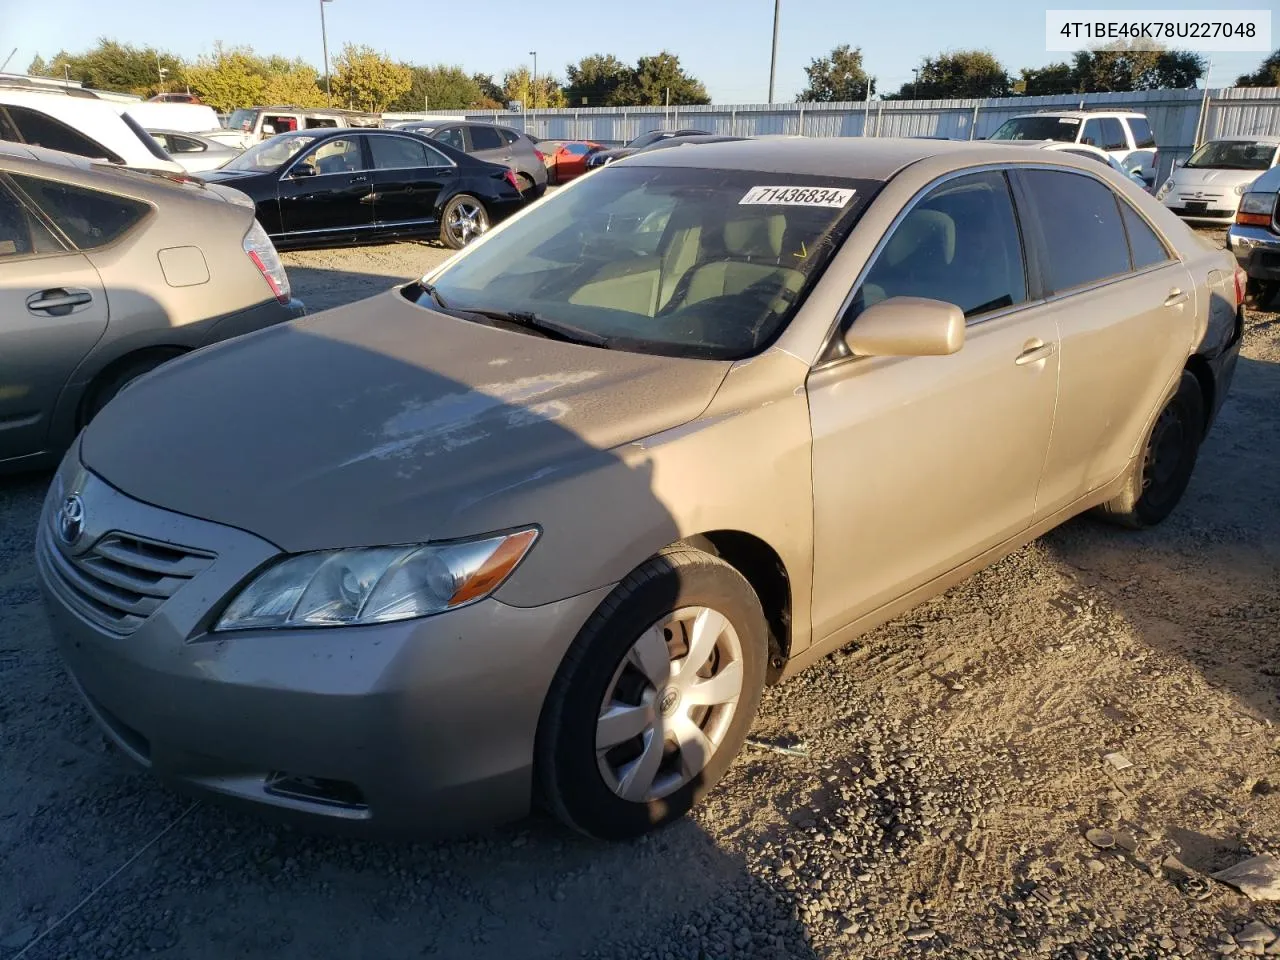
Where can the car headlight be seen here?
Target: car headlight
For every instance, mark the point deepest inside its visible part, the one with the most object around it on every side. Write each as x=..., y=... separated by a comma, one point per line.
x=1164, y=189
x=1242, y=189
x=1262, y=203
x=338, y=588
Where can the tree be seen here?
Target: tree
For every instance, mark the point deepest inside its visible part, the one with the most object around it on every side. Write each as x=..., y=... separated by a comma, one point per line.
x=228, y=78
x=490, y=93
x=38, y=68
x=1267, y=74
x=837, y=78
x=440, y=88
x=115, y=66
x=958, y=74
x=543, y=94
x=600, y=80
x=658, y=75
x=367, y=80
x=1119, y=67
x=297, y=86
x=1056, y=78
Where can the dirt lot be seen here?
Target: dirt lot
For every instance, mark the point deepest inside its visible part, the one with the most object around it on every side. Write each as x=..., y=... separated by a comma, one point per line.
x=925, y=792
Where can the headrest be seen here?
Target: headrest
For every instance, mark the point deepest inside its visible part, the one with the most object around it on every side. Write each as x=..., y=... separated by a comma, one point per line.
x=755, y=236
x=925, y=234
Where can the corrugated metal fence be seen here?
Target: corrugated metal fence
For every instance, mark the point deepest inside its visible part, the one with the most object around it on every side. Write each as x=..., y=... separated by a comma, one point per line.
x=1174, y=116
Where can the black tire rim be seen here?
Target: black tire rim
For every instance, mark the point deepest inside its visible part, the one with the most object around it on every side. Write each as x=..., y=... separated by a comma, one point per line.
x=1166, y=451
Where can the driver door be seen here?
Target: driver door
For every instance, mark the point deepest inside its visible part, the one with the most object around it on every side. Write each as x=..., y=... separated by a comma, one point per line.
x=329, y=190
x=921, y=464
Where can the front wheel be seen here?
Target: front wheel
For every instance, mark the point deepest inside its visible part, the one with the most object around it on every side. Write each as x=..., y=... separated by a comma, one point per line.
x=1161, y=476
x=654, y=698
x=463, y=219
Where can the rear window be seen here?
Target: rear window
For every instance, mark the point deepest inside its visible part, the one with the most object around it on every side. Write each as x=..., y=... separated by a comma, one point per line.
x=89, y=218
x=42, y=130
x=508, y=135
x=485, y=138
x=1063, y=129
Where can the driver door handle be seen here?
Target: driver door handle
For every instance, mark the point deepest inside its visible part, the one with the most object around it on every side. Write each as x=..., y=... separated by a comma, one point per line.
x=1176, y=297
x=1034, y=352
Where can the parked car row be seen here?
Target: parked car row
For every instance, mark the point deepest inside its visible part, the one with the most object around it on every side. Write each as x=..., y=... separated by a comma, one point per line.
x=540, y=526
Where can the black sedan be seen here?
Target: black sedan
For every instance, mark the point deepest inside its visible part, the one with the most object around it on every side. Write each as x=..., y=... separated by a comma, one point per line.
x=330, y=187
x=600, y=158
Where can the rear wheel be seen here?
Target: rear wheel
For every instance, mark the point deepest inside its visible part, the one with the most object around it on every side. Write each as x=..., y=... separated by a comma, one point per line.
x=463, y=219
x=654, y=698
x=1161, y=476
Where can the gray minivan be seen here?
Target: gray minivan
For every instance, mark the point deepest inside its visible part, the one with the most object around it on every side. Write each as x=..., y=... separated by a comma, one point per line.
x=488, y=141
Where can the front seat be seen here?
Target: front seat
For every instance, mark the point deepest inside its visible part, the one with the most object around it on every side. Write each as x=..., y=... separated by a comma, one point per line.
x=753, y=249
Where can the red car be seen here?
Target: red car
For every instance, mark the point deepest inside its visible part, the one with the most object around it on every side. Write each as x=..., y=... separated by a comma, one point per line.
x=567, y=159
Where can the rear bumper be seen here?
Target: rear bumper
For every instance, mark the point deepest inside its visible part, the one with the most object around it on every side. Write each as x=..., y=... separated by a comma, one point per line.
x=262, y=315
x=1257, y=250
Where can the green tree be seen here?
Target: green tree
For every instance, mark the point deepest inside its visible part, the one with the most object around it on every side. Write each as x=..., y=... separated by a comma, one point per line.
x=958, y=74
x=543, y=94
x=658, y=75
x=838, y=78
x=1119, y=67
x=38, y=68
x=440, y=88
x=229, y=78
x=297, y=86
x=119, y=67
x=490, y=93
x=1056, y=78
x=367, y=80
x=1267, y=74
x=600, y=80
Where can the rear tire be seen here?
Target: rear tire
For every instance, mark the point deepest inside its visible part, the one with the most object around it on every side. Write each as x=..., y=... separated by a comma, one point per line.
x=633, y=661
x=462, y=220
x=1161, y=475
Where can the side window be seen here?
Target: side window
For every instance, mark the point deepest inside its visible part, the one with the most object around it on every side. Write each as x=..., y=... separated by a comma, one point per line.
x=959, y=244
x=577, y=149
x=21, y=233
x=321, y=123
x=41, y=130
x=1080, y=222
x=508, y=135
x=89, y=218
x=397, y=153
x=184, y=145
x=485, y=138
x=451, y=136
x=281, y=124
x=1146, y=247
x=335, y=156
x=1142, y=136
x=1092, y=133
x=1113, y=134
x=163, y=140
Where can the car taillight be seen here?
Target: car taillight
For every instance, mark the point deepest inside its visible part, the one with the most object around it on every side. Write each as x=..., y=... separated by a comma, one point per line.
x=510, y=177
x=263, y=254
x=542, y=157
x=1242, y=282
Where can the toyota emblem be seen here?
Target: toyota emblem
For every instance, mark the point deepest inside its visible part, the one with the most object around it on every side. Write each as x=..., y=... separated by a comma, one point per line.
x=71, y=519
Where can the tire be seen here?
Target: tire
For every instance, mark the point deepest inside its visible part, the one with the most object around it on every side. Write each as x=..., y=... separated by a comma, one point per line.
x=602, y=662
x=1160, y=477
x=460, y=211
x=1259, y=293
x=106, y=391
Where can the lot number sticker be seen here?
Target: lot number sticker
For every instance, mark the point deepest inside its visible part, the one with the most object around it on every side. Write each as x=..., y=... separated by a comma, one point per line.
x=799, y=196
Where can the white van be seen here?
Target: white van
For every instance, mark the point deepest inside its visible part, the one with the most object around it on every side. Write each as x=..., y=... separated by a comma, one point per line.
x=182, y=117
x=86, y=127
x=1123, y=134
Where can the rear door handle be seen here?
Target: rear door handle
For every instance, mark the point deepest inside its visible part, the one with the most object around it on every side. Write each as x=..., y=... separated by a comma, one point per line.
x=1176, y=297
x=58, y=302
x=1034, y=352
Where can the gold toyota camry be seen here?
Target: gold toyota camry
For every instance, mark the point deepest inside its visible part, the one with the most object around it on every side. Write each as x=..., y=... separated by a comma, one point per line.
x=539, y=528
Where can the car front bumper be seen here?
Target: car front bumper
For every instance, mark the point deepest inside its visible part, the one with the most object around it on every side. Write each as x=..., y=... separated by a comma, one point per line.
x=1218, y=210
x=1257, y=250
x=422, y=727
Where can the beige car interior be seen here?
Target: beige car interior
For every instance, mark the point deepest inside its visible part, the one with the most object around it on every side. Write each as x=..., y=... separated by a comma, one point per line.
x=696, y=263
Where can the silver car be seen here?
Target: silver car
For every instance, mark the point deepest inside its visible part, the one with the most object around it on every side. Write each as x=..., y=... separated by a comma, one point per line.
x=106, y=273
x=193, y=152
x=544, y=524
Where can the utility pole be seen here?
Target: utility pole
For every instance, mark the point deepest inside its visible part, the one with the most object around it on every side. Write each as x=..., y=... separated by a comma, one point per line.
x=915, y=83
x=533, y=83
x=324, y=40
x=773, y=59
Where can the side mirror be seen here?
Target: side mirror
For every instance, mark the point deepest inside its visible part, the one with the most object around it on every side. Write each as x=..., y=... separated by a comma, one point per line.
x=1135, y=171
x=268, y=130
x=907, y=327
x=303, y=170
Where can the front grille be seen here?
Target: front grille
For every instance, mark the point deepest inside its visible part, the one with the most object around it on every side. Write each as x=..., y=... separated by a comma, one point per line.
x=121, y=580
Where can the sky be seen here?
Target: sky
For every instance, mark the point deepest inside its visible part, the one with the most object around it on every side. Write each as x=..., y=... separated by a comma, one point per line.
x=724, y=43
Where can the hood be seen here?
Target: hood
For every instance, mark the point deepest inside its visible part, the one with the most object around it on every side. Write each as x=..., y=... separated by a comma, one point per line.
x=1213, y=176
x=226, y=176
x=378, y=422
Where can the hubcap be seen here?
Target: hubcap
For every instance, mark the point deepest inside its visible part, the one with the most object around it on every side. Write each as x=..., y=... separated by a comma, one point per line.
x=669, y=705
x=466, y=222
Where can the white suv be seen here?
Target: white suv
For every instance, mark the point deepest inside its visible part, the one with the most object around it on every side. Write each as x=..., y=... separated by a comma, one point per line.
x=1124, y=135
x=86, y=126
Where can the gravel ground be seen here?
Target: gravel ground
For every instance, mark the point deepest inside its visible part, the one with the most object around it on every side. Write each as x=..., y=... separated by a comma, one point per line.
x=925, y=792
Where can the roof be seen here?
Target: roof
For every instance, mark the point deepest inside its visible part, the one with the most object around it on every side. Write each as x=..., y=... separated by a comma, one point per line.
x=873, y=158
x=1243, y=138
x=1081, y=114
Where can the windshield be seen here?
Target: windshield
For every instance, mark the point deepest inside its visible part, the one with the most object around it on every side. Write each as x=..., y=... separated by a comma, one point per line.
x=242, y=119
x=1063, y=129
x=653, y=136
x=272, y=154
x=671, y=260
x=1234, y=155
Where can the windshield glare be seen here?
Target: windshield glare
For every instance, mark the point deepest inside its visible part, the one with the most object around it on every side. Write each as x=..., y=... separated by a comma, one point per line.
x=1062, y=129
x=1234, y=155
x=271, y=154
x=242, y=119
x=672, y=260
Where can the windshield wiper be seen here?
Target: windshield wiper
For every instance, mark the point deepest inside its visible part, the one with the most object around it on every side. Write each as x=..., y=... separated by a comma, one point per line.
x=552, y=329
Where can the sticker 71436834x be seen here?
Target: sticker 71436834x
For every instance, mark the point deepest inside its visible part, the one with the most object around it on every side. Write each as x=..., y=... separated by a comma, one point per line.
x=799, y=196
